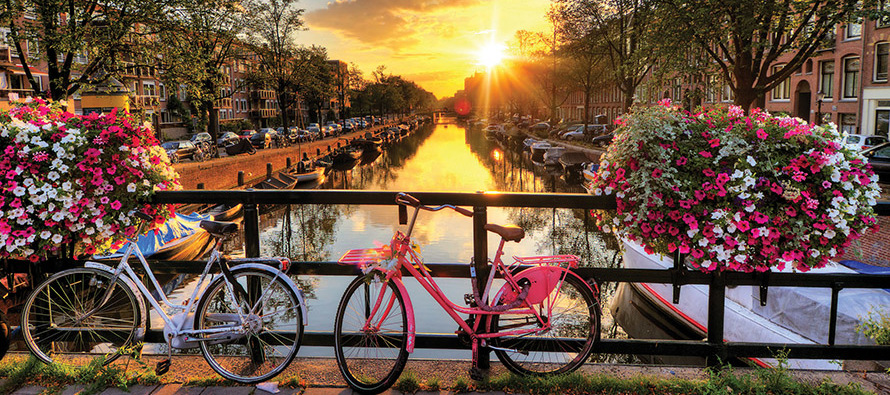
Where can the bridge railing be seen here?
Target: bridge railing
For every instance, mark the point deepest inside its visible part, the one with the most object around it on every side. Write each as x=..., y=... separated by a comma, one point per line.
x=714, y=348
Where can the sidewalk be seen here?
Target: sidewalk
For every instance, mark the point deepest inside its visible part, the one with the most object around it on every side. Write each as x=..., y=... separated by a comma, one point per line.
x=320, y=376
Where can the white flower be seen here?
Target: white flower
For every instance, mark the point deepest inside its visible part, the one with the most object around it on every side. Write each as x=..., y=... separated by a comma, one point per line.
x=19, y=191
x=45, y=234
x=829, y=234
x=131, y=187
x=57, y=238
x=751, y=161
x=52, y=176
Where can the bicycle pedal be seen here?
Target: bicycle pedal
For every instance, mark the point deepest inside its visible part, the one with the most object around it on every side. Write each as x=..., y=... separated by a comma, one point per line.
x=470, y=300
x=162, y=367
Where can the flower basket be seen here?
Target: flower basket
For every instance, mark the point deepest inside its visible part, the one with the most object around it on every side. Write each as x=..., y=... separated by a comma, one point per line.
x=735, y=192
x=69, y=179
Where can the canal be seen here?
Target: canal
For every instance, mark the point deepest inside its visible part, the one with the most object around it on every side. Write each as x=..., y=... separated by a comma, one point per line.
x=439, y=157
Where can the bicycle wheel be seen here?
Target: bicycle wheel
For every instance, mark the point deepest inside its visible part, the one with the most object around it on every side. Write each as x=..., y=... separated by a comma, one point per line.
x=264, y=345
x=575, y=326
x=371, y=360
x=56, y=330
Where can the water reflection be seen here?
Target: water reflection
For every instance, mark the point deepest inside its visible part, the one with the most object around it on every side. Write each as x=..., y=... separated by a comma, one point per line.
x=433, y=158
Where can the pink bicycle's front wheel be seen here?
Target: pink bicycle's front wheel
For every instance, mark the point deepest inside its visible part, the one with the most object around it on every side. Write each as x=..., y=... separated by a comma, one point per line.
x=527, y=348
x=370, y=340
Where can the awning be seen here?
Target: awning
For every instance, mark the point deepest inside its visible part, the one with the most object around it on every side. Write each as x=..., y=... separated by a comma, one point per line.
x=21, y=70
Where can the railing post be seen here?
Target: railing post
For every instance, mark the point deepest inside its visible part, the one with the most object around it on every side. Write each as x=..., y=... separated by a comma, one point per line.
x=268, y=171
x=240, y=178
x=480, y=261
x=251, y=230
x=716, y=313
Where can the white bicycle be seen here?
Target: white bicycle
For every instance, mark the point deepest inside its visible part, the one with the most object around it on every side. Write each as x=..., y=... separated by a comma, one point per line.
x=248, y=320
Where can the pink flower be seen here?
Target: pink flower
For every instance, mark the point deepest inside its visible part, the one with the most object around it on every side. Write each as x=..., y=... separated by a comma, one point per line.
x=656, y=173
x=706, y=154
x=761, y=134
x=682, y=161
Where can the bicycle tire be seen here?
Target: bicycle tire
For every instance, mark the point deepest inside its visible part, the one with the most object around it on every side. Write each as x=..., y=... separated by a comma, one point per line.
x=579, y=317
x=363, y=367
x=56, y=304
x=235, y=358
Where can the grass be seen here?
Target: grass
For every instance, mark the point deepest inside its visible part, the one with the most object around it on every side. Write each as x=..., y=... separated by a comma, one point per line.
x=723, y=380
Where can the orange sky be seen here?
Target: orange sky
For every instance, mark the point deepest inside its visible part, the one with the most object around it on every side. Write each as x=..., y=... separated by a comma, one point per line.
x=434, y=43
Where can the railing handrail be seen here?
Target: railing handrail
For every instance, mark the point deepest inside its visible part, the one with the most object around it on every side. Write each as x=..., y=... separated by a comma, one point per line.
x=715, y=348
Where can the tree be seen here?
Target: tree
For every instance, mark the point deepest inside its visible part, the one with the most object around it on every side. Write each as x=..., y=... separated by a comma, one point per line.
x=621, y=26
x=195, y=42
x=82, y=42
x=273, y=25
x=743, y=39
x=315, y=79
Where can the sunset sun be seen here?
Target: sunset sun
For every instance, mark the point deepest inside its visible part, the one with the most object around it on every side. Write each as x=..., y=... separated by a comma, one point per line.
x=490, y=55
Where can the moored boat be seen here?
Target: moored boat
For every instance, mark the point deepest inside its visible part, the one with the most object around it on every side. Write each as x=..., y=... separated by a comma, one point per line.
x=793, y=315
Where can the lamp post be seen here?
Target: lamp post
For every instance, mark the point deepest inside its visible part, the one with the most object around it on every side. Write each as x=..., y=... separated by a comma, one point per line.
x=819, y=97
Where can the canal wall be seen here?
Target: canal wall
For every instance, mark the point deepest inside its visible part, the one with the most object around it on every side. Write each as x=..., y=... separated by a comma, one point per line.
x=222, y=173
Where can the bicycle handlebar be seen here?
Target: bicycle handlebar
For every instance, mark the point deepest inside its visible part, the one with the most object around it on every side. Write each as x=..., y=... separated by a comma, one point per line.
x=408, y=200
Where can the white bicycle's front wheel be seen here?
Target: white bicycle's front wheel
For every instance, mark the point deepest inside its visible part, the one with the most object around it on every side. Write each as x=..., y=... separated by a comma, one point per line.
x=55, y=325
x=263, y=343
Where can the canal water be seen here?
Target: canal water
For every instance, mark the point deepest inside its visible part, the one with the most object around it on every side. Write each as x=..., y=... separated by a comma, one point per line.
x=440, y=157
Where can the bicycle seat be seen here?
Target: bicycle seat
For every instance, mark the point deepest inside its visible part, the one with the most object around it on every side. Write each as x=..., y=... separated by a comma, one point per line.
x=509, y=232
x=219, y=228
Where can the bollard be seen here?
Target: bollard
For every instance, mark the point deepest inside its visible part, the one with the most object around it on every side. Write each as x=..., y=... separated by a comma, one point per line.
x=268, y=170
x=318, y=152
x=288, y=162
x=240, y=178
x=200, y=185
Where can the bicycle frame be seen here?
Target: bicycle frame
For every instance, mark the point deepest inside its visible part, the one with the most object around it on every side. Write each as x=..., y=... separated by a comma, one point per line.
x=177, y=329
x=409, y=259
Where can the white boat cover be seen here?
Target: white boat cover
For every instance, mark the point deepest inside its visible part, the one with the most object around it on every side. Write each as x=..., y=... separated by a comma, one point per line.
x=792, y=314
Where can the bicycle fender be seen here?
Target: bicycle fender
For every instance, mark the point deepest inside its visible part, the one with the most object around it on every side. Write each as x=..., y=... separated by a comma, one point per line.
x=544, y=279
x=409, y=310
x=140, y=298
x=266, y=268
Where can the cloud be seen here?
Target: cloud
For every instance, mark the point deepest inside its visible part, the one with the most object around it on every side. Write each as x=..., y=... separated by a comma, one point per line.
x=389, y=23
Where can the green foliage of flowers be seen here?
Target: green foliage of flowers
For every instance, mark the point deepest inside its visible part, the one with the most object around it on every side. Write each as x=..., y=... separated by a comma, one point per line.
x=877, y=326
x=66, y=178
x=735, y=191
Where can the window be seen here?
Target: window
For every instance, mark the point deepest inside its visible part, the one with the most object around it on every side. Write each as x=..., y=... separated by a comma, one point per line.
x=148, y=89
x=882, y=119
x=851, y=78
x=162, y=92
x=826, y=78
x=848, y=123
x=783, y=90
x=881, y=52
x=852, y=31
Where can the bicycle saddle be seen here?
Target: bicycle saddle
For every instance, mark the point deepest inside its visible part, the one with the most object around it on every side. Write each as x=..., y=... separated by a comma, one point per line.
x=509, y=232
x=219, y=228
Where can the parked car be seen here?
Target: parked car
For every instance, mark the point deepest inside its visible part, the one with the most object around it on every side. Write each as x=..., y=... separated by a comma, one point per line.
x=604, y=140
x=183, y=149
x=227, y=138
x=205, y=142
x=578, y=132
x=860, y=142
x=263, y=138
x=246, y=133
x=879, y=158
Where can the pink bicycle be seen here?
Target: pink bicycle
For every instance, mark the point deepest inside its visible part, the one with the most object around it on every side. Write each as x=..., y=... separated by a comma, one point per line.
x=545, y=319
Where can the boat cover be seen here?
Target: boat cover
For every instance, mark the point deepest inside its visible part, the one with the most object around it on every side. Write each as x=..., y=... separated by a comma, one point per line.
x=790, y=312
x=175, y=229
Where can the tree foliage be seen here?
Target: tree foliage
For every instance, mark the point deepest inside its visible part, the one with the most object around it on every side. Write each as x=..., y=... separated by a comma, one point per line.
x=743, y=39
x=81, y=42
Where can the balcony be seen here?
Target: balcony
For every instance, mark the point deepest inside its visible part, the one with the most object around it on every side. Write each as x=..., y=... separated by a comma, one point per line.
x=223, y=103
x=262, y=95
x=263, y=113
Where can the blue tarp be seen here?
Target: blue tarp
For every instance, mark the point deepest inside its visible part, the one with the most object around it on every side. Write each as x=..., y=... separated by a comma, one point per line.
x=182, y=225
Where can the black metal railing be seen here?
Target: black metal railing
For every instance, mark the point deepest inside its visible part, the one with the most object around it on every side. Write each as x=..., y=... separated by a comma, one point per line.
x=715, y=348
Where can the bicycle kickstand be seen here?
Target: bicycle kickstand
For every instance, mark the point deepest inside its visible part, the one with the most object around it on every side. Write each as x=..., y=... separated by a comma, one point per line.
x=163, y=366
x=475, y=372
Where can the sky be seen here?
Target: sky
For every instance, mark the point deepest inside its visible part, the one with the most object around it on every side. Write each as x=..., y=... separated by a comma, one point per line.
x=435, y=43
